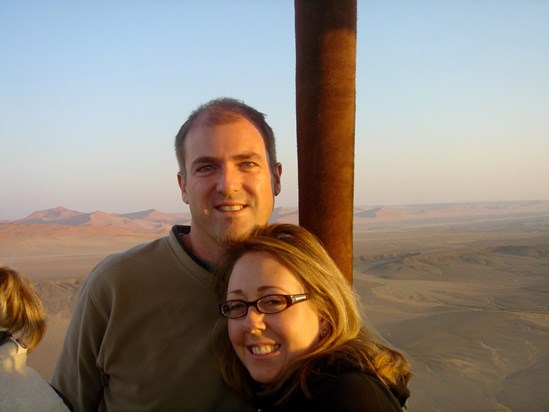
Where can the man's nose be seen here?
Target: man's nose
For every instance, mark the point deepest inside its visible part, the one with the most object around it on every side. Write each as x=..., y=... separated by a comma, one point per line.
x=228, y=180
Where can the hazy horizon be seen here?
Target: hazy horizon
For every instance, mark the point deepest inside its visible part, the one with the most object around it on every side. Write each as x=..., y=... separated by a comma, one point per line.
x=451, y=98
x=185, y=209
x=363, y=207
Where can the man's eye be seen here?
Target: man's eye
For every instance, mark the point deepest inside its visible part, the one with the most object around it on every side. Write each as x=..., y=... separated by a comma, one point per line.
x=204, y=169
x=248, y=165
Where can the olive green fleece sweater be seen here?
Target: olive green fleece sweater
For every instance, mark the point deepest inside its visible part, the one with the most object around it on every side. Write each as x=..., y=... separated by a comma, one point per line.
x=141, y=335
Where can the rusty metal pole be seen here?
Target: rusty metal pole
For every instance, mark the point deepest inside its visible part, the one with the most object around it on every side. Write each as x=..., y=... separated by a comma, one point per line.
x=325, y=110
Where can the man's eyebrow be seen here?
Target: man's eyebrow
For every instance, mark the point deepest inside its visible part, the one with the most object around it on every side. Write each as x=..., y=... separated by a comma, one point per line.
x=203, y=159
x=248, y=156
x=239, y=157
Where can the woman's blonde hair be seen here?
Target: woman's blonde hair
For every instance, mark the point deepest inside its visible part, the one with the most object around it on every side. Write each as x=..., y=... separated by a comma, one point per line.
x=21, y=312
x=346, y=339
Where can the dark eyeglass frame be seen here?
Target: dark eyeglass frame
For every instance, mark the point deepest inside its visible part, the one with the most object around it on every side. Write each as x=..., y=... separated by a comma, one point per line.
x=289, y=299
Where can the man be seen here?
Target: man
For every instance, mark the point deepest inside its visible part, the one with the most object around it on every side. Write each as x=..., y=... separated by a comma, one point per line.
x=143, y=328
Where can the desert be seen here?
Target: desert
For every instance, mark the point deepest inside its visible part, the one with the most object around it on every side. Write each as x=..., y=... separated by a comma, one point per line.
x=462, y=289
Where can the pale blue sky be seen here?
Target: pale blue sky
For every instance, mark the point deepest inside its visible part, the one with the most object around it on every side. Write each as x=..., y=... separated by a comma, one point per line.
x=452, y=97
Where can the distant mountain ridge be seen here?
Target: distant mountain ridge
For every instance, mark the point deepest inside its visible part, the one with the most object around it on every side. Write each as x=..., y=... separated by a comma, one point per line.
x=153, y=219
x=145, y=220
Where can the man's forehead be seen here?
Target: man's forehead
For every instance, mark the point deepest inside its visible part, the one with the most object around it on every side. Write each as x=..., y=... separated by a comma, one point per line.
x=220, y=149
x=204, y=135
x=206, y=144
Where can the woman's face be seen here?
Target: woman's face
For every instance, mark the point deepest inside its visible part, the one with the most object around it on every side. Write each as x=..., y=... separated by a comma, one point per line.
x=267, y=343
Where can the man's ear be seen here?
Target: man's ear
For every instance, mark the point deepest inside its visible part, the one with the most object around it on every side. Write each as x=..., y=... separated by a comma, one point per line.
x=277, y=172
x=183, y=187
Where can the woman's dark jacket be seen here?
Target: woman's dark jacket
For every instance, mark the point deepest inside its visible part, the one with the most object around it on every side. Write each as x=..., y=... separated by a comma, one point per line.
x=343, y=391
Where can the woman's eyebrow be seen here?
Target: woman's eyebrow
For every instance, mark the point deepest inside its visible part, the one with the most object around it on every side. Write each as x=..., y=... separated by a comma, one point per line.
x=234, y=292
x=259, y=289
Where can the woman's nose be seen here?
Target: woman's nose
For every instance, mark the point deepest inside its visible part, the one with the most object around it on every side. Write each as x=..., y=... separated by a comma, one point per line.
x=254, y=320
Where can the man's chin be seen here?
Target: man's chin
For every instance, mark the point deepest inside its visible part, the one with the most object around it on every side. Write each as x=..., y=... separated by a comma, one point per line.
x=235, y=232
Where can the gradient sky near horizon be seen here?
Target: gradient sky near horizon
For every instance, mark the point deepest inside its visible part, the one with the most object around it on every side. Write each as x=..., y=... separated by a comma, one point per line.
x=452, y=97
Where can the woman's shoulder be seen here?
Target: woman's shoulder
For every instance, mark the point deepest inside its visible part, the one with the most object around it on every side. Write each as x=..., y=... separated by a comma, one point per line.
x=342, y=391
x=352, y=391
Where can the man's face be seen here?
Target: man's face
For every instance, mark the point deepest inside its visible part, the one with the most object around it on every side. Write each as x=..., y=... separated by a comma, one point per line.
x=229, y=183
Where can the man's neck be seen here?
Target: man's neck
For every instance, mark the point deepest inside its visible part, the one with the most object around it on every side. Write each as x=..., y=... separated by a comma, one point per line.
x=207, y=251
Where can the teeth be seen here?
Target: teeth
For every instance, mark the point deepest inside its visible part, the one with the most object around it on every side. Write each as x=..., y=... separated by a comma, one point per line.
x=263, y=350
x=234, y=208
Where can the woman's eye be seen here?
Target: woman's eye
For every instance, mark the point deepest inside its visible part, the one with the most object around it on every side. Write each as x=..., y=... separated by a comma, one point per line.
x=236, y=306
x=273, y=301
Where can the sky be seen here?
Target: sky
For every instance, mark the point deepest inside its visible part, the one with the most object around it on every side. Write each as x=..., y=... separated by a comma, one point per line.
x=452, y=98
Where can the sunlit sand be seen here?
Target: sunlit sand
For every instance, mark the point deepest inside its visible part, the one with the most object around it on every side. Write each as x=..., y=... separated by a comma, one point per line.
x=462, y=291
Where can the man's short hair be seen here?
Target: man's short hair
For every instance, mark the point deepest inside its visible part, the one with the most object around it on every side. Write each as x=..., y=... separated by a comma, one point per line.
x=225, y=110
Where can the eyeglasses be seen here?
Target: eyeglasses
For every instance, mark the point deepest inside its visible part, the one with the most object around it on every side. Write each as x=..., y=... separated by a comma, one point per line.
x=234, y=309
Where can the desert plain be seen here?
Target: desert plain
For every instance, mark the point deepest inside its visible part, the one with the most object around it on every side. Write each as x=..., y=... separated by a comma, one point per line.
x=462, y=289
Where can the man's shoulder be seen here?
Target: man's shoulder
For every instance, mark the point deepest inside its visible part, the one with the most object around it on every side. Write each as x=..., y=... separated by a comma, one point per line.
x=128, y=255
x=118, y=263
x=149, y=256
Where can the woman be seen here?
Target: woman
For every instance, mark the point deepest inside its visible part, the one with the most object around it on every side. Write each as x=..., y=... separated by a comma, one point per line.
x=22, y=326
x=297, y=340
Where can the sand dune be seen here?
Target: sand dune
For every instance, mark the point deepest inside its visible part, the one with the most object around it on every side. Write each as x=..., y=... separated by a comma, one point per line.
x=468, y=304
x=58, y=297
x=464, y=296
x=148, y=220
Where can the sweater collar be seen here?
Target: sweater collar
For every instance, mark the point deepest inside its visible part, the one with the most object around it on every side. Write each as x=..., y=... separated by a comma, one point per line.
x=179, y=231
